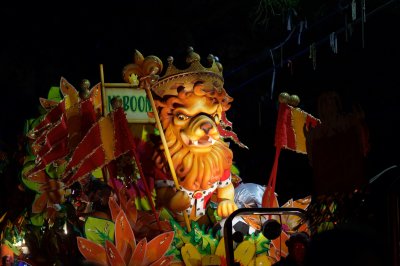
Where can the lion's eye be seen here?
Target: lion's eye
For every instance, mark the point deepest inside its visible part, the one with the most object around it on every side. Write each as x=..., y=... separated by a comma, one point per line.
x=182, y=117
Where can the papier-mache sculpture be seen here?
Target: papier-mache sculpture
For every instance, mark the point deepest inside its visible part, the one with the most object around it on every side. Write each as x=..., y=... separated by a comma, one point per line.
x=191, y=104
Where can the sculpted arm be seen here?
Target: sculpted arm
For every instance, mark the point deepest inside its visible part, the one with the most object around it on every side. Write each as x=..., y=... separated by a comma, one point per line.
x=226, y=204
x=172, y=199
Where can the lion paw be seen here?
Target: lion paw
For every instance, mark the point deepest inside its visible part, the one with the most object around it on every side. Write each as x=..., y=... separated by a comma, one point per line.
x=180, y=201
x=226, y=207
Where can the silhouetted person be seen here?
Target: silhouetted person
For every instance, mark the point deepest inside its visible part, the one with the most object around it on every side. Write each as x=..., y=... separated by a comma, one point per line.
x=337, y=147
x=6, y=261
x=297, y=244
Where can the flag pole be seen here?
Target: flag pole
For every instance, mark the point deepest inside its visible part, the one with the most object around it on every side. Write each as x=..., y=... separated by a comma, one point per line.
x=105, y=172
x=103, y=90
x=166, y=149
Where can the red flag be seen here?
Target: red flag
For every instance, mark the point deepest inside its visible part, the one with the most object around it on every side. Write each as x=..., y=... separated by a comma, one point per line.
x=52, y=136
x=106, y=140
x=54, y=115
x=49, y=119
x=289, y=134
x=64, y=126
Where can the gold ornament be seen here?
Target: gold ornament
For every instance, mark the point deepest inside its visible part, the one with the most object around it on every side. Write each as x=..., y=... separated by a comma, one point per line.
x=294, y=100
x=174, y=78
x=284, y=97
x=84, y=92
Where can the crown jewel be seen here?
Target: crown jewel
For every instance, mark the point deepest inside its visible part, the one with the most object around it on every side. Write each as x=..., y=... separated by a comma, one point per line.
x=174, y=78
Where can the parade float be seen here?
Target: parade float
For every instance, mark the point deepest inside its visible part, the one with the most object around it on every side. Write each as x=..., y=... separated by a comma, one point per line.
x=141, y=173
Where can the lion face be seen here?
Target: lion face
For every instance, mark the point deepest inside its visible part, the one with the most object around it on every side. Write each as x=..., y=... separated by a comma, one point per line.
x=195, y=123
x=198, y=153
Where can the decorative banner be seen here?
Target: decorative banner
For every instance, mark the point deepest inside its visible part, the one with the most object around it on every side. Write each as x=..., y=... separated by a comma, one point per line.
x=289, y=134
x=105, y=141
x=64, y=126
x=134, y=101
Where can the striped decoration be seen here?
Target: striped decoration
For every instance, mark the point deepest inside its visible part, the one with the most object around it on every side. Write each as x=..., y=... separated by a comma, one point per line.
x=289, y=132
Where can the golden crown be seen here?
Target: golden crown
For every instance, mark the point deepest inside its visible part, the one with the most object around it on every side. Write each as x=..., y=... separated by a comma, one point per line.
x=173, y=77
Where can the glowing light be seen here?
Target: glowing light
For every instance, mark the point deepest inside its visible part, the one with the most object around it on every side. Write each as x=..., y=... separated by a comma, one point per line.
x=65, y=228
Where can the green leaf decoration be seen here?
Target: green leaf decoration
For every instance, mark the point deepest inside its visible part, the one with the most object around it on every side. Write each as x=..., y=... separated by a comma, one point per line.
x=31, y=123
x=37, y=219
x=173, y=251
x=12, y=247
x=145, y=204
x=203, y=241
x=196, y=233
x=325, y=226
x=235, y=170
x=261, y=242
x=209, y=243
x=99, y=230
x=142, y=203
x=55, y=172
x=180, y=236
x=165, y=214
x=97, y=173
x=54, y=94
x=29, y=163
x=212, y=213
x=35, y=186
x=29, y=159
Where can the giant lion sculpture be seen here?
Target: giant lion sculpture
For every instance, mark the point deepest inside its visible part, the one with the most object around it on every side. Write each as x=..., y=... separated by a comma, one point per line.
x=190, y=103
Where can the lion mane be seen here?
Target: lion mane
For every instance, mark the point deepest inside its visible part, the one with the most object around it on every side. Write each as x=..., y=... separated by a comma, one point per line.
x=197, y=168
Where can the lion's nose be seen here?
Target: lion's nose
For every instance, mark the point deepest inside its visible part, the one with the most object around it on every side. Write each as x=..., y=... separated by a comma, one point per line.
x=206, y=127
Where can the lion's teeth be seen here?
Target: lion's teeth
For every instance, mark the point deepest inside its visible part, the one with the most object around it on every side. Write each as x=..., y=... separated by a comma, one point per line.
x=213, y=141
x=195, y=142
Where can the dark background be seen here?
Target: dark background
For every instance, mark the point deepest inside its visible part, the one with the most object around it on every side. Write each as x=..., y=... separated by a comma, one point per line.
x=39, y=46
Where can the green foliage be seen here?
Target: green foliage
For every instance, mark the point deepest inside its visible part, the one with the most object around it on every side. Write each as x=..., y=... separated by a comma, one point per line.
x=260, y=241
x=29, y=164
x=12, y=247
x=54, y=94
x=180, y=237
x=235, y=170
x=99, y=230
x=37, y=219
x=55, y=171
x=200, y=237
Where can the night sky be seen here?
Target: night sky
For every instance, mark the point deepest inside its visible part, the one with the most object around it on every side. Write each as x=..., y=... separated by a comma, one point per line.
x=39, y=46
